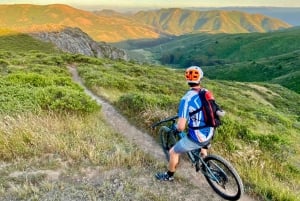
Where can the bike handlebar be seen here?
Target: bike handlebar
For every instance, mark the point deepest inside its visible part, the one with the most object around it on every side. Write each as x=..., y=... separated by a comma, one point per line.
x=165, y=120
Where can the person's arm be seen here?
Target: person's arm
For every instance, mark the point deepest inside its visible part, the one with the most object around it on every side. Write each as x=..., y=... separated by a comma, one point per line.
x=182, y=114
x=181, y=124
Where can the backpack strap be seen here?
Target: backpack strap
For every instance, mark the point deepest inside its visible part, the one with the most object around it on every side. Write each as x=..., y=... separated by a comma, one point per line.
x=197, y=127
x=201, y=94
x=195, y=111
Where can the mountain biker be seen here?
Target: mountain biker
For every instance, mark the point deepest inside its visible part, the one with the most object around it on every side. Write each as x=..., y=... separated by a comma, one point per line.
x=196, y=137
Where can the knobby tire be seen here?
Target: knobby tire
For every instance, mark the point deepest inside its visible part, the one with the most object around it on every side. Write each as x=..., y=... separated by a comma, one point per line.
x=167, y=139
x=230, y=186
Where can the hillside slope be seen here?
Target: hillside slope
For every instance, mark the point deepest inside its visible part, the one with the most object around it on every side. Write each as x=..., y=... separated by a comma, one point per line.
x=283, y=70
x=57, y=144
x=260, y=134
x=269, y=57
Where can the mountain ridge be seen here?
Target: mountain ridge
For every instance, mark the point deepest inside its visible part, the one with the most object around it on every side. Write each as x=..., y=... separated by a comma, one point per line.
x=215, y=21
x=34, y=18
x=103, y=27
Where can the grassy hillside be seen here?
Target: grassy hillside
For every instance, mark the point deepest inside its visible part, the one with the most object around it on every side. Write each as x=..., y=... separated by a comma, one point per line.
x=14, y=41
x=54, y=143
x=260, y=133
x=50, y=127
x=211, y=49
x=283, y=70
x=240, y=57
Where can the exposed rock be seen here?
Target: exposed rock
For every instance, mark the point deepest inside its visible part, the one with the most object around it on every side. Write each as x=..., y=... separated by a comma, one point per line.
x=74, y=40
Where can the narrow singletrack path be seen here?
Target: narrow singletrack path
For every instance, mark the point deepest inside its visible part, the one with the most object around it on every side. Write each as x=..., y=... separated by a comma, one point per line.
x=148, y=144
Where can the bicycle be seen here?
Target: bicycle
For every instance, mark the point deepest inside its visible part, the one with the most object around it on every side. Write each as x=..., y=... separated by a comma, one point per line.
x=219, y=173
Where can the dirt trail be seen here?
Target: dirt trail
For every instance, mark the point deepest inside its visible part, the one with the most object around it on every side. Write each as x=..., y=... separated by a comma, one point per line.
x=147, y=143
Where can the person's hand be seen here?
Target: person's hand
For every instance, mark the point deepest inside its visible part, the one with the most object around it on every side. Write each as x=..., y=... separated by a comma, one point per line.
x=174, y=128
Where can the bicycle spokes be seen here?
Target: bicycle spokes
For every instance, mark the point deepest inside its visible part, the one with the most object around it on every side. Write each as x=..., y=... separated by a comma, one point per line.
x=216, y=173
x=222, y=177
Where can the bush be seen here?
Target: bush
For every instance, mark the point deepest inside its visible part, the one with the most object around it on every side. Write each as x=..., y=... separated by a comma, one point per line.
x=137, y=102
x=31, y=79
x=65, y=99
x=17, y=99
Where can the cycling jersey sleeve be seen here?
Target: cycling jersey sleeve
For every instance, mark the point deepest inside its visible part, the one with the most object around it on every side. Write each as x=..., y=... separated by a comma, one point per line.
x=182, y=110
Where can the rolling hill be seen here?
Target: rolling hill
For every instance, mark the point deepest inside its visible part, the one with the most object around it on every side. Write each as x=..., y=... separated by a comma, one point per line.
x=283, y=70
x=268, y=57
x=290, y=15
x=110, y=26
x=211, y=49
x=34, y=18
x=181, y=21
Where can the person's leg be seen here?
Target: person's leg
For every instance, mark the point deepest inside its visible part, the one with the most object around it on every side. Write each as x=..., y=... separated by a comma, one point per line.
x=174, y=158
x=182, y=146
x=203, y=153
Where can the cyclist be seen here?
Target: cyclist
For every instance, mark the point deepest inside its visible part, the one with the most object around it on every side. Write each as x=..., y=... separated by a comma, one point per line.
x=196, y=137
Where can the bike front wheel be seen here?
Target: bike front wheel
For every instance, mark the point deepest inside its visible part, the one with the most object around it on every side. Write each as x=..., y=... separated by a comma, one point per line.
x=223, y=178
x=167, y=140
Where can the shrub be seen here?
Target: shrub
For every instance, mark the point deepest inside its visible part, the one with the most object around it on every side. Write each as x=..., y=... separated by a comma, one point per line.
x=137, y=102
x=31, y=79
x=65, y=99
x=17, y=99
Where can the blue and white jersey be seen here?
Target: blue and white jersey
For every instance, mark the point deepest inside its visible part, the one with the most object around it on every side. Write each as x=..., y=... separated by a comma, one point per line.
x=189, y=103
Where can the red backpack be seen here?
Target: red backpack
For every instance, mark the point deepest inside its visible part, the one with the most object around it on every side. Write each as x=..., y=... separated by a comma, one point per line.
x=209, y=109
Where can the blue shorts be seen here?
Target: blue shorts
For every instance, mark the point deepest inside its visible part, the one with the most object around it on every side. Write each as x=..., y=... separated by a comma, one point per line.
x=184, y=145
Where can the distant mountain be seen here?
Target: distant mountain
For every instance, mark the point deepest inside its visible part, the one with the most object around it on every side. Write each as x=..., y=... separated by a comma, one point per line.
x=287, y=14
x=181, y=21
x=35, y=18
x=110, y=26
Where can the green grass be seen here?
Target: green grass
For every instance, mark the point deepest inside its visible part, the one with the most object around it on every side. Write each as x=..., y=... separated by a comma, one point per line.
x=255, y=57
x=212, y=49
x=283, y=70
x=45, y=157
x=37, y=82
x=259, y=125
x=14, y=42
x=47, y=122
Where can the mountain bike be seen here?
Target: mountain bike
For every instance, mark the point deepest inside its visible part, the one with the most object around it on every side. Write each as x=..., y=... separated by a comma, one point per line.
x=219, y=173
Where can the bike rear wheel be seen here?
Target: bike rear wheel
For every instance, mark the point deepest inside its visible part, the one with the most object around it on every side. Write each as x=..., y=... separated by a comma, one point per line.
x=223, y=178
x=167, y=139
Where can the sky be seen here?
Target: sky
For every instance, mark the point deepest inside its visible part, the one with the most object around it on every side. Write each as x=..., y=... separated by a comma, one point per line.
x=159, y=3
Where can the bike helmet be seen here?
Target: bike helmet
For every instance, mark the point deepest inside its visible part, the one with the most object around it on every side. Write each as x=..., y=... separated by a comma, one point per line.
x=193, y=74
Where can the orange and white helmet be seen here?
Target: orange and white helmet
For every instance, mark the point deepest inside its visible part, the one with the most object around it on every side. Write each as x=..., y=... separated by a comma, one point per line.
x=193, y=74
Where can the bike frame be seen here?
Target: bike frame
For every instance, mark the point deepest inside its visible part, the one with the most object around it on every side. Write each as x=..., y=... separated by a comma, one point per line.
x=193, y=157
x=217, y=171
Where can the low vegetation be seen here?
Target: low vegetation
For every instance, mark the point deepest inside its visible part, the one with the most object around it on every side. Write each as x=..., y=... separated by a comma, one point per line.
x=51, y=129
x=283, y=70
x=259, y=133
x=256, y=57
